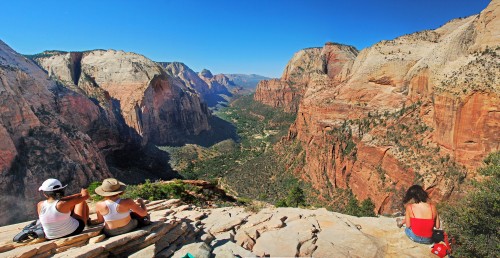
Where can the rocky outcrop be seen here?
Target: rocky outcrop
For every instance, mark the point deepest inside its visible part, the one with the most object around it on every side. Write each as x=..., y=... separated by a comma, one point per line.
x=414, y=109
x=133, y=89
x=301, y=70
x=231, y=232
x=44, y=132
x=208, y=87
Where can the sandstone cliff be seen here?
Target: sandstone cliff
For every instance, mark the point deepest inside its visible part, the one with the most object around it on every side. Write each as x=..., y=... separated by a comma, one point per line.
x=413, y=109
x=305, y=65
x=44, y=133
x=210, y=90
x=158, y=108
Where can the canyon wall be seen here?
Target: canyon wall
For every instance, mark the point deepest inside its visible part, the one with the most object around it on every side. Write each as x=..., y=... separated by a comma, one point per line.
x=305, y=66
x=137, y=90
x=86, y=116
x=422, y=108
x=44, y=132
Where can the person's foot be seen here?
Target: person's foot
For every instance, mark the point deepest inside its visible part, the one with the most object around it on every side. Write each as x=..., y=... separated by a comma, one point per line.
x=400, y=223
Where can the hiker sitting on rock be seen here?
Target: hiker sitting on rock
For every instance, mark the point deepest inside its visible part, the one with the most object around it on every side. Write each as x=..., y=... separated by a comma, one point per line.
x=61, y=215
x=116, y=212
x=421, y=216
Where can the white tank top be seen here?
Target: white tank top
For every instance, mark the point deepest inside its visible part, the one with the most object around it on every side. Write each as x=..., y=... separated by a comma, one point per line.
x=113, y=213
x=56, y=224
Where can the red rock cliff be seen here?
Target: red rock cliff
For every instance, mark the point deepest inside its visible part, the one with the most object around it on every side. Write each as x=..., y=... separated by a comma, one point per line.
x=413, y=109
x=43, y=133
x=305, y=65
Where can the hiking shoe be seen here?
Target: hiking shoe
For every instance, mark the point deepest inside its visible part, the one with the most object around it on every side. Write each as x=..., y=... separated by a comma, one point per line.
x=400, y=223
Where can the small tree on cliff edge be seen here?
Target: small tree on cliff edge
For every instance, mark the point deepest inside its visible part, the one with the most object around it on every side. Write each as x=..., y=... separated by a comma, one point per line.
x=296, y=197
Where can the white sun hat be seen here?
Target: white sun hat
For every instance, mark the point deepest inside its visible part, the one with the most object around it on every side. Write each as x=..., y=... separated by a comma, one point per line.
x=51, y=184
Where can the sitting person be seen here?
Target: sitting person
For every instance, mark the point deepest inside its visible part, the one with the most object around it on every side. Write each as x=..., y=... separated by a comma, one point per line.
x=60, y=215
x=421, y=217
x=119, y=215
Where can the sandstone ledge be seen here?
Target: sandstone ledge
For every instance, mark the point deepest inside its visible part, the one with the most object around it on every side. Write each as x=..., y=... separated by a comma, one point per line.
x=230, y=232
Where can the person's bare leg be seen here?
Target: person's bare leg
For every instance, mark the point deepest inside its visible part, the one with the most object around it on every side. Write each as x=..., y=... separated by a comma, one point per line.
x=81, y=211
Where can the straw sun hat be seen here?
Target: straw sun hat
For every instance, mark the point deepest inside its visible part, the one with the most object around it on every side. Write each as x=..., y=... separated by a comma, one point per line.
x=110, y=187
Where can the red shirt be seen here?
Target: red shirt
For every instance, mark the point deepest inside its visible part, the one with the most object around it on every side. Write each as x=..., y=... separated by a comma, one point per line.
x=422, y=227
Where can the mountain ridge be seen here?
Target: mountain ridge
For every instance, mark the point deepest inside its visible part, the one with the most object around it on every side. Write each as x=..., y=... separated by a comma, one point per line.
x=410, y=110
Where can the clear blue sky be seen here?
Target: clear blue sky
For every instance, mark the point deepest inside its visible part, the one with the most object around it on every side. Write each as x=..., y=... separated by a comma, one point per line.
x=234, y=36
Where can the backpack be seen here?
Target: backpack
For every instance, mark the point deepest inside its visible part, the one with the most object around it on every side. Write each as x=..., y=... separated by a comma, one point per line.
x=442, y=249
x=32, y=230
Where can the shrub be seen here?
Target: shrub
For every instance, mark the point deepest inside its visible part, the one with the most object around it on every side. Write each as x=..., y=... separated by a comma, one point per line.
x=158, y=191
x=474, y=220
x=296, y=197
x=355, y=209
x=281, y=203
x=95, y=197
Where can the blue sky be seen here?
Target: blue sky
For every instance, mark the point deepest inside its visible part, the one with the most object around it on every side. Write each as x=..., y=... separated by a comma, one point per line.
x=237, y=36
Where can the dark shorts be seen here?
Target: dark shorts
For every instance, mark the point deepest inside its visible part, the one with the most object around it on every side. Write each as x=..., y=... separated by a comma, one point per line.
x=121, y=230
x=78, y=230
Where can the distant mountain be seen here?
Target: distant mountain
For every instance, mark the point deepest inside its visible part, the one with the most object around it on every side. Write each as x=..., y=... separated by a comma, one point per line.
x=247, y=81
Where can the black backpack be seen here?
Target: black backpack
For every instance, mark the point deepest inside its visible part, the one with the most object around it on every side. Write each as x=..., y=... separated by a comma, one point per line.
x=32, y=230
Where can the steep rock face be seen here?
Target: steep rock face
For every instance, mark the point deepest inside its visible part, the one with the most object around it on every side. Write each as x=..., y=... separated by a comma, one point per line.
x=43, y=129
x=304, y=67
x=279, y=94
x=217, y=84
x=413, y=109
x=134, y=89
x=188, y=77
x=204, y=83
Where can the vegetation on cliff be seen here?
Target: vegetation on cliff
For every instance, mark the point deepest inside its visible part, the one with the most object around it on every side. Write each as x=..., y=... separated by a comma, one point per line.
x=474, y=220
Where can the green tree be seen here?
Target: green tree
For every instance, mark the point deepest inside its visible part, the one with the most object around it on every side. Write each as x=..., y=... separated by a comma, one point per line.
x=474, y=221
x=352, y=206
x=296, y=197
x=366, y=209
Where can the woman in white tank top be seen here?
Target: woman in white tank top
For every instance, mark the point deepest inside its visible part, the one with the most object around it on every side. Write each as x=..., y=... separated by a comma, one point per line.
x=62, y=215
x=116, y=212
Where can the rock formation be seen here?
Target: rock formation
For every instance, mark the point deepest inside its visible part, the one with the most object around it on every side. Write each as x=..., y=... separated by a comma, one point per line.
x=231, y=232
x=137, y=90
x=209, y=89
x=44, y=132
x=413, y=109
x=302, y=69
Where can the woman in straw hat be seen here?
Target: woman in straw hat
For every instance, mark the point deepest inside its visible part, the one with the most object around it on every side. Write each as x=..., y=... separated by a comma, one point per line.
x=61, y=215
x=116, y=212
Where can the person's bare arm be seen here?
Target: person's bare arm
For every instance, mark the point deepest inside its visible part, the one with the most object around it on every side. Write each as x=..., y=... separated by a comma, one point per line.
x=39, y=207
x=437, y=222
x=69, y=197
x=98, y=207
x=133, y=206
x=407, y=216
x=67, y=205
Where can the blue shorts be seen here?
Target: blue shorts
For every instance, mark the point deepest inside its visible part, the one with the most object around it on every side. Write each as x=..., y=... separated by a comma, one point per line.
x=418, y=239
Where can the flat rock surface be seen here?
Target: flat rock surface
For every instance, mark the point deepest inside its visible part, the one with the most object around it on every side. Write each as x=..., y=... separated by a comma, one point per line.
x=231, y=232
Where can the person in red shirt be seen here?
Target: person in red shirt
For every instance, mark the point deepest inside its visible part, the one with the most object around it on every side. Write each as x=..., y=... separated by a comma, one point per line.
x=421, y=216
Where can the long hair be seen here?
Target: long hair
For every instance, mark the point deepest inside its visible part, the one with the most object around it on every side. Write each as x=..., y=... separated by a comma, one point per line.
x=57, y=194
x=417, y=193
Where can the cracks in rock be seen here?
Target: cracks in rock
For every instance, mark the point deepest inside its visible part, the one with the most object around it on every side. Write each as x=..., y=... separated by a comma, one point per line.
x=76, y=66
